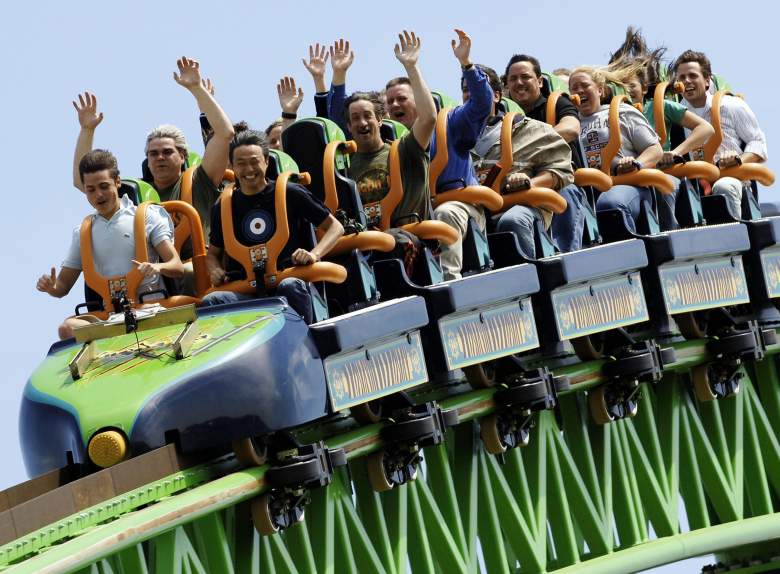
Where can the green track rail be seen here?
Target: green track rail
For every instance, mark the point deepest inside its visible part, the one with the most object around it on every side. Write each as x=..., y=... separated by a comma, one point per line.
x=578, y=498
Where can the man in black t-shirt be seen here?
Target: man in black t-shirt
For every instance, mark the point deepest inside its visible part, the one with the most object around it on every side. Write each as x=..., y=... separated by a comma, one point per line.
x=254, y=223
x=523, y=80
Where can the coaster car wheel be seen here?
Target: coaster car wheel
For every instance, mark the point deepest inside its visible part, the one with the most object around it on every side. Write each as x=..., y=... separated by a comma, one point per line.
x=500, y=433
x=367, y=413
x=701, y=384
x=377, y=477
x=589, y=348
x=599, y=410
x=490, y=435
x=733, y=344
x=261, y=515
x=481, y=376
x=271, y=513
x=609, y=403
x=250, y=451
x=691, y=326
x=716, y=381
x=388, y=468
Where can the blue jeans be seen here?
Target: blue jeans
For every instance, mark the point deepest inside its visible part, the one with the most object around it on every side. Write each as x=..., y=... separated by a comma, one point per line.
x=627, y=199
x=294, y=290
x=666, y=216
x=520, y=220
x=567, y=227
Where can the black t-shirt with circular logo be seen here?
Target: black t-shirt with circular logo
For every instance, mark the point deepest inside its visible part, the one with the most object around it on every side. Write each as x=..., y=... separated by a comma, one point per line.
x=254, y=220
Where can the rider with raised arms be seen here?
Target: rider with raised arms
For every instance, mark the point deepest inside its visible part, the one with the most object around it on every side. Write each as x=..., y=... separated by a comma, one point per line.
x=166, y=147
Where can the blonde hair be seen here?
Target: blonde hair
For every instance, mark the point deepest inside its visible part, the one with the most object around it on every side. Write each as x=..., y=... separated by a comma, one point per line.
x=618, y=73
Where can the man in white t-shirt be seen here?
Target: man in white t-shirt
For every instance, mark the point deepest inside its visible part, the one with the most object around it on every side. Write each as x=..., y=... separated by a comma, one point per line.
x=113, y=237
x=743, y=140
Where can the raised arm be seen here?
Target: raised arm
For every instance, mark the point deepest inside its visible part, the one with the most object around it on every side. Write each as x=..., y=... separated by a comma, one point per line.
x=89, y=119
x=341, y=58
x=290, y=100
x=318, y=57
x=468, y=119
x=408, y=52
x=215, y=158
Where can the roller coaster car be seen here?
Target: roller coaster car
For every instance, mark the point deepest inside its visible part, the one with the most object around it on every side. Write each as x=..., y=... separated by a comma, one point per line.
x=480, y=321
x=213, y=378
x=696, y=276
x=566, y=276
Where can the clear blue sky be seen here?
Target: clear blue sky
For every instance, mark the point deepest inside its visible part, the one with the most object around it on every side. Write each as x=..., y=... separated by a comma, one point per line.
x=125, y=52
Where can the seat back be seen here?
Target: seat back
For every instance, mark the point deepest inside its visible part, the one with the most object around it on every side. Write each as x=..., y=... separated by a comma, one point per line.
x=279, y=162
x=193, y=160
x=182, y=230
x=305, y=141
x=506, y=105
x=138, y=191
x=552, y=83
x=442, y=100
x=391, y=130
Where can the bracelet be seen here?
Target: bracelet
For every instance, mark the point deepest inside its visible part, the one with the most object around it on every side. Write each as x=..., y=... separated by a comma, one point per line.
x=467, y=67
x=289, y=115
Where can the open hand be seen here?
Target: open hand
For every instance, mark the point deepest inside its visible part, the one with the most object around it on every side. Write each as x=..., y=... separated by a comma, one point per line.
x=189, y=73
x=462, y=49
x=341, y=57
x=289, y=99
x=86, y=107
x=408, y=50
x=318, y=57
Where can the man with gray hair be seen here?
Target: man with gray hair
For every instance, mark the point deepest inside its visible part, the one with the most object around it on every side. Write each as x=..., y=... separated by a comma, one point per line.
x=166, y=147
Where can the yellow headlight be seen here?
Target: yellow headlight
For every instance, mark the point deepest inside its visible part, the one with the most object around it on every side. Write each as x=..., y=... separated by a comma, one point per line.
x=107, y=448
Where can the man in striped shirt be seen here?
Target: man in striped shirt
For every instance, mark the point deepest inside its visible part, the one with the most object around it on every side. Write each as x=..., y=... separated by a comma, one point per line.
x=743, y=140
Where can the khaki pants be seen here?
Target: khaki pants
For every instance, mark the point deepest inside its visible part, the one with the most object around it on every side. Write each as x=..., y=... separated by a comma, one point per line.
x=456, y=214
x=731, y=189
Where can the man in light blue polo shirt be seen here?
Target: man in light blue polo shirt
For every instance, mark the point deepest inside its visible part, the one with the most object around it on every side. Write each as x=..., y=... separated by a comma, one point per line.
x=113, y=238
